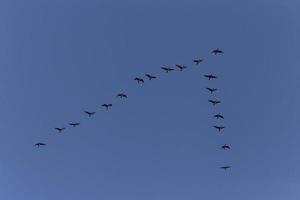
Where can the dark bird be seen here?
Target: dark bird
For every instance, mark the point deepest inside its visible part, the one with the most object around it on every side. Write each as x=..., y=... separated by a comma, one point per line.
x=167, y=69
x=74, y=124
x=214, y=102
x=225, y=167
x=60, y=129
x=210, y=76
x=107, y=106
x=225, y=146
x=90, y=114
x=181, y=67
x=139, y=80
x=198, y=61
x=217, y=51
x=211, y=89
x=219, y=116
x=150, y=77
x=122, y=95
x=39, y=144
x=219, y=127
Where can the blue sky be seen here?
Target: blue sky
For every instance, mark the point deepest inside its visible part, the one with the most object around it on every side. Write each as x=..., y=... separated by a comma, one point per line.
x=61, y=57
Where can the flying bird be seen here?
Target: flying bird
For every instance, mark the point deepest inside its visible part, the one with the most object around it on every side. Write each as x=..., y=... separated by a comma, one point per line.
x=210, y=76
x=167, y=69
x=39, y=144
x=225, y=167
x=90, y=114
x=211, y=89
x=107, y=106
x=214, y=102
x=139, y=80
x=219, y=116
x=150, y=77
x=74, y=124
x=198, y=61
x=219, y=127
x=181, y=67
x=122, y=95
x=225, y=146
x=217, y=51
x=60, y=129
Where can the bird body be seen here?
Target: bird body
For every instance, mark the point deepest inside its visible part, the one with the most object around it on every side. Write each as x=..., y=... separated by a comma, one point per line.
x=181, y=67
x=198, y=61
x=74, y=124
x=167, y=69
x=219, y=116
x=210, y=76
x=40, y=144
x=211, y=90
x=225, y=146
x=225, y=167
x=107, y=106
x=219, y=127
x=150, y=77
x=139, y=80
x=90, y=114
x=217, y=51
x=60, y=129
x=214, y=102
x=122, y=95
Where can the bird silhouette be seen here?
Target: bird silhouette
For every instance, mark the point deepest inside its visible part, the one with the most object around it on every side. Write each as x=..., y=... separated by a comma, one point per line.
x=167, y=69
x=198, y=61
x=214, y=102
x=219, y=127
x=217, y=51
x=40, y=144
x=60, y=129
x=90, y=114
x=219, y=116
x=210, y=76
x=211, y=90
x=107, y=106
x=139, y=80
x=150, y=77
x=225, y=167
x=181, y=67
x=225, y=146
x=122, y=95
x=74, y=124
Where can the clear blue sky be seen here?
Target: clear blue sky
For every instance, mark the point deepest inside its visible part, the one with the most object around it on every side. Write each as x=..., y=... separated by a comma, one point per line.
x=61, y=57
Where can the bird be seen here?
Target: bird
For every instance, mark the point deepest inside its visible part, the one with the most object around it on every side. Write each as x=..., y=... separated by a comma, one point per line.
x=74, y=124
x=122, y=95
x=107, y=106
x=214, y=102
x=217, y=51
x=139, y=80
x=167, y=69
x=39, y=144
x=150, y=77
x=225, y=167
x=60, y=129
x=219, y=116
x=197, y=61
x=210, y=76
x=211, y=89
x=181, y=67
x=90, y=114
x=225, y=146
x=219, y=127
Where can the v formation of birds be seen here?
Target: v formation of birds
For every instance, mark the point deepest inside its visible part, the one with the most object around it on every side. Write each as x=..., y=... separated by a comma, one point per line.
x=150, y=77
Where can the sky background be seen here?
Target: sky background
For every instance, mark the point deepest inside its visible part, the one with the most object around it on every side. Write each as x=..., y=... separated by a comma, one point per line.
x=61, y=57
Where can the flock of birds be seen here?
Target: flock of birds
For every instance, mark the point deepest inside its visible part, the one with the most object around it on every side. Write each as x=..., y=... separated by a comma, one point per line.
x=150, y=77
